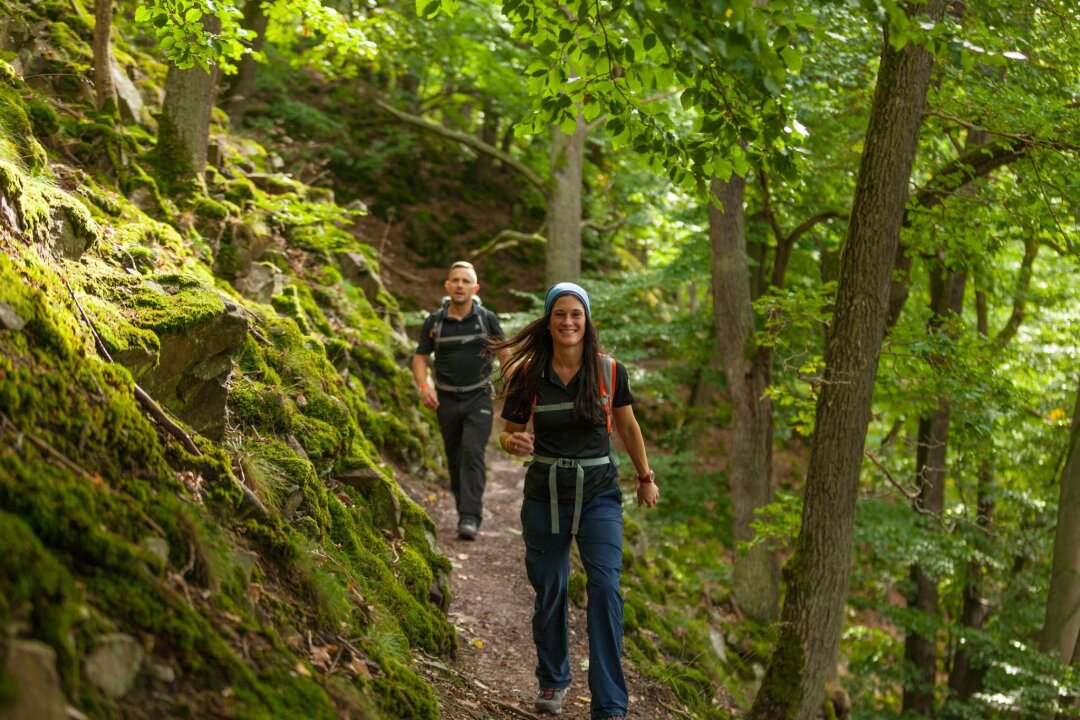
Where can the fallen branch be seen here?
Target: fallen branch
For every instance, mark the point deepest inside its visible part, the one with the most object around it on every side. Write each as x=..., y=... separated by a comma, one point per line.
x=507, y=239
x=141, y=395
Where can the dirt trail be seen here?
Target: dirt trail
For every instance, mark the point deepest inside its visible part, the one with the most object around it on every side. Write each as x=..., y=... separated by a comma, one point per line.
x=492, y=677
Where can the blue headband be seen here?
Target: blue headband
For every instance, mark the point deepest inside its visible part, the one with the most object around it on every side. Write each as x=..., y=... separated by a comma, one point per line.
x=566, y=288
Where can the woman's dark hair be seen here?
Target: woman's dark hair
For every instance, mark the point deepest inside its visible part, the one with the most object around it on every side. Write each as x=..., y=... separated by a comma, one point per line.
x=527, y=356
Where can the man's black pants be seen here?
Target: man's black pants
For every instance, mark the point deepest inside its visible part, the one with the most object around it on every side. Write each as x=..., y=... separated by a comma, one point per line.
x=465, y=421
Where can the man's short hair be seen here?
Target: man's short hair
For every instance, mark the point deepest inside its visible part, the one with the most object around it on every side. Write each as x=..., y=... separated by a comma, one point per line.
x=465, y=265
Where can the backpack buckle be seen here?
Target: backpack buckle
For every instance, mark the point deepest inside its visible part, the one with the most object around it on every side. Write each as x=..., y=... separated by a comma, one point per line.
x=566, y=463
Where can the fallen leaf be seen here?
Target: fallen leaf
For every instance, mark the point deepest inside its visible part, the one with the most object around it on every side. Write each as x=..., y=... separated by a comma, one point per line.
x=478, y=643
x=301, y=669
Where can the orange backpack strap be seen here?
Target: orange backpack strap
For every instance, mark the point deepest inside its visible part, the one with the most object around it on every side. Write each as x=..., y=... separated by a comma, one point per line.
x=607, y=394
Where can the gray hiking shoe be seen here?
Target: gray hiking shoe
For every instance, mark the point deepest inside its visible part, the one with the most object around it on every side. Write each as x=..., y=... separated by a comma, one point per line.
x=466, y=528
x=550, y=700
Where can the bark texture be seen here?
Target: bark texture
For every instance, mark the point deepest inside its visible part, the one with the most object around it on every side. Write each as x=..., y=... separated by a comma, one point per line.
x=757, y=572
x=563, y=256
x=817, y=575
x=1061, y=630
x=104, y=86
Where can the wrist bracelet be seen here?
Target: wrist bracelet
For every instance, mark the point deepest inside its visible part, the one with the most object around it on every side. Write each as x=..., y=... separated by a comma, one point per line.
x=423, y=387
x=647, y=478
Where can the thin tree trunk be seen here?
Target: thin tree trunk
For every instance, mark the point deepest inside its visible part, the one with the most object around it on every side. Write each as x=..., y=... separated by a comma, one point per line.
x=104, y=85
x=242, y=88
x=563, y=255
x=966, y=677
x=1061, y=630
x=757, y=572
x=184, y=128
x=946, y=298
x=489, y=135
x=817, y=575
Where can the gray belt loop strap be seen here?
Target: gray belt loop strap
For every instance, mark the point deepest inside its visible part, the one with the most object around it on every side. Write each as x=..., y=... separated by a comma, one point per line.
x=461, y=388
x=579, y=466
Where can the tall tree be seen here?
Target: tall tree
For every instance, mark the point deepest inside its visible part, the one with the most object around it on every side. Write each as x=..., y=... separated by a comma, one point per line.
x=757, y=572
x=563, y=255
x=818, y=573
x=1061, y=629
x=920, y=650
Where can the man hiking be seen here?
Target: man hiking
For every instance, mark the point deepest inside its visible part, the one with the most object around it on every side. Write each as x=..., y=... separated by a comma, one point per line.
x=460, y=393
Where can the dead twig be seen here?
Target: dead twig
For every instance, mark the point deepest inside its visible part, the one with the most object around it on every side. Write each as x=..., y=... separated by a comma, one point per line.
x=70, y=465
x=141, y=395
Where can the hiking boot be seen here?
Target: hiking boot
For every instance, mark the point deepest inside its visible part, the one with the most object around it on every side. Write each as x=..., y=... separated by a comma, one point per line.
x=466, y=528
x=615, y=717
x=550, y=700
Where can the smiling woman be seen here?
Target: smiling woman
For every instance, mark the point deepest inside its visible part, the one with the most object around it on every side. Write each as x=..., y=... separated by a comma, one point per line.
x=557, y=377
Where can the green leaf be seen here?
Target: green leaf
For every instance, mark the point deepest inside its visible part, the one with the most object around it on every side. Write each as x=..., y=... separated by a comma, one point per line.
x=193, y=14
x=649, y=42
x=142, y=13
x=428, y=8
x=792, y=59
x=566, y=35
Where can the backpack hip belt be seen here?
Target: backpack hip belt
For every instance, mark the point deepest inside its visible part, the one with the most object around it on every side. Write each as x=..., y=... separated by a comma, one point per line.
x=462, y=388
x=578, y=464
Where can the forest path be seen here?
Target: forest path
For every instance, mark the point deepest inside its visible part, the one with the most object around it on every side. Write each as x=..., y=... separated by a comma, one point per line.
x=492, y=678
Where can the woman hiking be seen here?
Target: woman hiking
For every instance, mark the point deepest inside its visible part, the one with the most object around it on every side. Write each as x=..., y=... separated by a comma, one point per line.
x=555, y=375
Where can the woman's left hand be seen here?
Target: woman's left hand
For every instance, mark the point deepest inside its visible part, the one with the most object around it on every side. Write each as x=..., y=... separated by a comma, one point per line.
x=647, y=494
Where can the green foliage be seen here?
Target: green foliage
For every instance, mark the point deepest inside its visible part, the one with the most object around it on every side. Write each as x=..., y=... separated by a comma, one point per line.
x=184, y=36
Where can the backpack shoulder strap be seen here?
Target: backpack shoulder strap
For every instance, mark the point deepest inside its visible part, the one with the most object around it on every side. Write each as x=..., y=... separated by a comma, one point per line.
x=481, y=315
x=607, y=386
x=439, y=315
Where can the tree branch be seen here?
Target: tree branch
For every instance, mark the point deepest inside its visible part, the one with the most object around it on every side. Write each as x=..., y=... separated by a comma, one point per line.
x=507, y=239
x=1023, y=282
x=467, y=140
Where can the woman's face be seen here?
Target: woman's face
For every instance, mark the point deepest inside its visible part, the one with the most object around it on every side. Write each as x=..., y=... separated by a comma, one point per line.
x=567, y=322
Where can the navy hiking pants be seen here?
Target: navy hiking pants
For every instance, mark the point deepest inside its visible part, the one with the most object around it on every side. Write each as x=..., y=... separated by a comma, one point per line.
x=465, y=422
x=547, y=562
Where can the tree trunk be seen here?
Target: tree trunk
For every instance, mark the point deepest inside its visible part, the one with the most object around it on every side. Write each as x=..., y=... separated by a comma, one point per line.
x=104, y=85
x=563, y=256
x=184, y=128
x=489, y=135
x=966, y=677
x=817, y=575
x=1061, y=630
x=946, y=298
x=242, y=87
x=757, y=572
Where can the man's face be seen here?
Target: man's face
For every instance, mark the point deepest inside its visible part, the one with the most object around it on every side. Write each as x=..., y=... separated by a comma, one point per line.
x=461, y=286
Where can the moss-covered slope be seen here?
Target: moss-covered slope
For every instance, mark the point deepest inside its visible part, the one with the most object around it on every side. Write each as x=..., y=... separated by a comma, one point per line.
x=278, y=571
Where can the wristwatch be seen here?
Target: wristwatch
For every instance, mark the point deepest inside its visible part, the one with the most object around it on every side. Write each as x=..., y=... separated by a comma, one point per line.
x=647, y=478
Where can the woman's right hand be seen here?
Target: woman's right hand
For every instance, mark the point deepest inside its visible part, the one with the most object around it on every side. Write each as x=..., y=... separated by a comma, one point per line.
x=520, y=443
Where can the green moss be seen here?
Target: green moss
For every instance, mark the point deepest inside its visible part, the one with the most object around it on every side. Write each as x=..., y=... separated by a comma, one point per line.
x=43, y=119
x=17, y=141
x=240, y=191
x=164, y=303
x=37, y=584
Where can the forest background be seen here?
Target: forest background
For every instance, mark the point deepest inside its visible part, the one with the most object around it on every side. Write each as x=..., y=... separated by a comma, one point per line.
x=836, y=246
